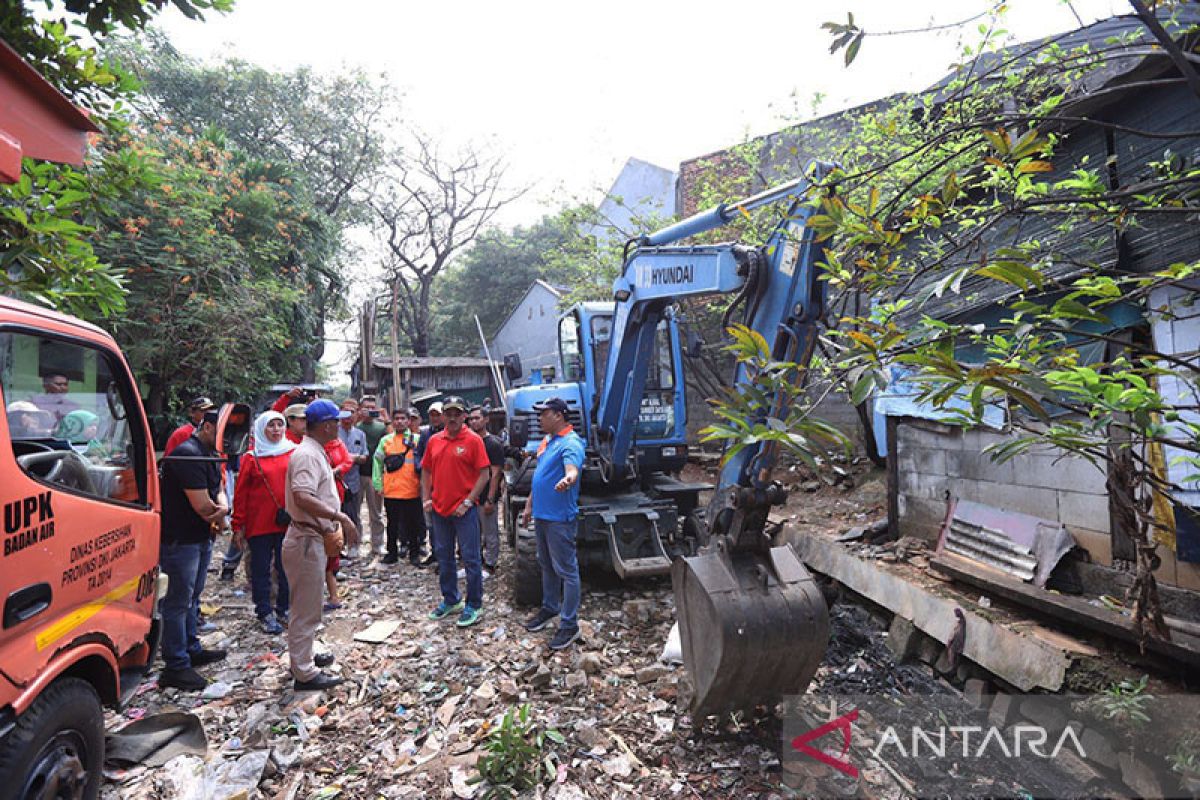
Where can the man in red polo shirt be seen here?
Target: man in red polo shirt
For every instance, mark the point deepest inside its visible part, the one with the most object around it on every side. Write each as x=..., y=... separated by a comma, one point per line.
x=454, y=475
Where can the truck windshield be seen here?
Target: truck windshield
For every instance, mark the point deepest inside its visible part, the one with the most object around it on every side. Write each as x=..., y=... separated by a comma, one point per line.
x=65, y=404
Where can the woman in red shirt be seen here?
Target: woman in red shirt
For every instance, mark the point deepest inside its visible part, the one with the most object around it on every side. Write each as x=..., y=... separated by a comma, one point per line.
x=259, y=517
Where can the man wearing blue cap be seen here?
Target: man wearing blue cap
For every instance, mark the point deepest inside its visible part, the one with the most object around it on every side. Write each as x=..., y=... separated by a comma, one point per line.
x=315, y=511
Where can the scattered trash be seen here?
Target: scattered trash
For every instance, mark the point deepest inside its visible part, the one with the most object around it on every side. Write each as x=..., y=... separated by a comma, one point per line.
x=155, y=740
x=216, y=690
x=672, y=652
x=193, y=779
x=378, y=632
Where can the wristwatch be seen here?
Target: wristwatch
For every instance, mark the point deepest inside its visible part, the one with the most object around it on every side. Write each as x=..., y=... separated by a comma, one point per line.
x=468, y=502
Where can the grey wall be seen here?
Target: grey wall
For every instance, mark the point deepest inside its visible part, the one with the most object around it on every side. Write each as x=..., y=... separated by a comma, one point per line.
x=935, y=458
x=531, y=331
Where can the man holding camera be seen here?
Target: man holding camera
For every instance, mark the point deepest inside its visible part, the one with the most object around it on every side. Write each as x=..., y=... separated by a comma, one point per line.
x=374, y=427
x=316, y=515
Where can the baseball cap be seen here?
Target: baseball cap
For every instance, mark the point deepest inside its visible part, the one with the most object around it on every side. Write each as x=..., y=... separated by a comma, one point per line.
x=23, y=405
x=554, y=404
x=200, y=404
x=295, y=410
x=435, y=407
x=452, y=402
x=322, y=411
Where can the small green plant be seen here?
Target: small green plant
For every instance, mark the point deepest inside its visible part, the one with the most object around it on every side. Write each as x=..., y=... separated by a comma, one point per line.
x=517, y=756
x=1125, y=702
x=1185, y=759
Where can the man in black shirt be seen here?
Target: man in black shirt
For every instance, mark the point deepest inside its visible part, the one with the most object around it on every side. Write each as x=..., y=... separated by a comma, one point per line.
x=489, y=518
x=192, y=503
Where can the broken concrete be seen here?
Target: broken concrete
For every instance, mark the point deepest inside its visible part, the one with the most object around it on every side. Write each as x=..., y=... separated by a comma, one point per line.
x=1025, y=662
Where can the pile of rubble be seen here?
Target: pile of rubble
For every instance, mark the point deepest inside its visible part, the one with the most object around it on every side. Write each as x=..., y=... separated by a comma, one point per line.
x=416, y=708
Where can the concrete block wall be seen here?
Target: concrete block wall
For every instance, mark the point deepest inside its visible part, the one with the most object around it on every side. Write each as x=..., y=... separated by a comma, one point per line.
x=935, y=460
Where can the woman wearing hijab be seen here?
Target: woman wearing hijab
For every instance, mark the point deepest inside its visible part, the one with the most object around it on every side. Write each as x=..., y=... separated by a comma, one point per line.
x=259, y=518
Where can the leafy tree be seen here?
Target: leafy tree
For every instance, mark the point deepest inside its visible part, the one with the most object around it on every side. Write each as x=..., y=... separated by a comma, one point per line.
x=973, y=191
x=210, y=244
x=326, y=130
x=47, y=219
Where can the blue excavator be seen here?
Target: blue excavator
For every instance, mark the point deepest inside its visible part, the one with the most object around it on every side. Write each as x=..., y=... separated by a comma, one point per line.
x=753, y=622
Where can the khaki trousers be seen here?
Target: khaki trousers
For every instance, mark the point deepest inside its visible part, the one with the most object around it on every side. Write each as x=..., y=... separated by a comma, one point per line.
x=304, y=565
x=375, y=511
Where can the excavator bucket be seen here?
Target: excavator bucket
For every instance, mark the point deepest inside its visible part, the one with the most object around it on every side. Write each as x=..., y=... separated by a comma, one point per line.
x=753, y=627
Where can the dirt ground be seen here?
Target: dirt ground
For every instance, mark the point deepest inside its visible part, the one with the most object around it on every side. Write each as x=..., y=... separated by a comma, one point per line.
x=415, y=710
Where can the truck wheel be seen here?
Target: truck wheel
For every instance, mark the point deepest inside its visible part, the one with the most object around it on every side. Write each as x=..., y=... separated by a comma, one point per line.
x=527, y=575
x=56, y=749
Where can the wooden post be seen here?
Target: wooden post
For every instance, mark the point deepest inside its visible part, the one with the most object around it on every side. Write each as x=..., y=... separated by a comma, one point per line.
x=397, y=397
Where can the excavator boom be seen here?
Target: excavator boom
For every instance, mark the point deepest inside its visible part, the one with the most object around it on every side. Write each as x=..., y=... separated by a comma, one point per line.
x=753, y=623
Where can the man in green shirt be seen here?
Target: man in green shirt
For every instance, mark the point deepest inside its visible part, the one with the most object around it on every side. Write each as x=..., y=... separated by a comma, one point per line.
x=375, y=429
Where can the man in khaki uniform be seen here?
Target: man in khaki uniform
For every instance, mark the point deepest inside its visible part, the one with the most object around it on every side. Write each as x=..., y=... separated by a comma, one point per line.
x=312, y=502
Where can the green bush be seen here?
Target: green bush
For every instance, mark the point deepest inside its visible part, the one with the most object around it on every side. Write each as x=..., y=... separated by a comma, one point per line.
x=517, y=755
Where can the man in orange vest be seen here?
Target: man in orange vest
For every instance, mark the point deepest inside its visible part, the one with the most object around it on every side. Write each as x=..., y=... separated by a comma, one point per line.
x=394, y=475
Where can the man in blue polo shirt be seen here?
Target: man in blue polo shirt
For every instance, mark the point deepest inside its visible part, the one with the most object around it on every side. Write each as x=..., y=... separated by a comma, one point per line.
x=554, y=505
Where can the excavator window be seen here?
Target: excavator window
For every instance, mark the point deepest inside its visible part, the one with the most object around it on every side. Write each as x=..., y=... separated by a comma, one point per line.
x=568, y=346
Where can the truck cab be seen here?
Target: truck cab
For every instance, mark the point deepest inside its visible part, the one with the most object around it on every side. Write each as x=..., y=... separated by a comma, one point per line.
x=79, y=581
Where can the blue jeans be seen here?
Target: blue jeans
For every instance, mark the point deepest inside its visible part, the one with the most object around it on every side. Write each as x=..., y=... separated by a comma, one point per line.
x=266, y=550
x=560, y=569
x=465, y=531
x=185, y=566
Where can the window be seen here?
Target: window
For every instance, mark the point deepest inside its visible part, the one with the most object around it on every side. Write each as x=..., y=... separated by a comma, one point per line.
x=662, y=367
x=568, y=346
x=661, y=374
x=66, y=410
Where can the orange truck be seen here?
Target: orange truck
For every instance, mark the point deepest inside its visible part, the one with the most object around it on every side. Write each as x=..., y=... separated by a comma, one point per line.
x=79, y=576
x=79, y=580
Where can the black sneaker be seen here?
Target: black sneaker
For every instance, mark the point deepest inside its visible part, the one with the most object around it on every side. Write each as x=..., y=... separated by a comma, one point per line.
x=390, y=558
x=323, y=660
x=415, y=561
x=429, y=561
x=539, y=620
x=186, y=679
x=202, y=657
x=317, y=683
x=563, y=638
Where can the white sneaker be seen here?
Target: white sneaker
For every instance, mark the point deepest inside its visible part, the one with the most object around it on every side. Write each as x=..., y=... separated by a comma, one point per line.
x=462, y=573
x=486, y=574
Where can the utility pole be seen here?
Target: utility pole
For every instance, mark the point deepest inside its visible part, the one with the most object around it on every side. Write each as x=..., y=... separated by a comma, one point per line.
x=398, y=401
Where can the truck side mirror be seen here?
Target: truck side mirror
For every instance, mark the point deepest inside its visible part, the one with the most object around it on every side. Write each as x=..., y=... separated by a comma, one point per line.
x=512, y=366
x=695, y=345
x=518, y=432
x=233, y=429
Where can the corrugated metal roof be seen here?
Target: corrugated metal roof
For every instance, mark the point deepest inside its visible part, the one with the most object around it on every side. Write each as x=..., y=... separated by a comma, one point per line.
x=433, y=362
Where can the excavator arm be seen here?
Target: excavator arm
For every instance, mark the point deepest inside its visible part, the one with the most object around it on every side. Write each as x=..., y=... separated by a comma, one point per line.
x=753, y=623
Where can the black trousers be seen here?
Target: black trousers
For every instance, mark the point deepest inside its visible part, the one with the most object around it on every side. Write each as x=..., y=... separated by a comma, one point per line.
x=406, y=524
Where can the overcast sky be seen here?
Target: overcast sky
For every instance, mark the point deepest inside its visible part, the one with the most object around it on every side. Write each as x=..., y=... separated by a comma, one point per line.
x=568, y=91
